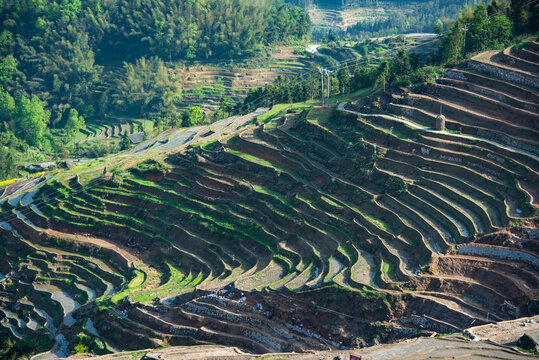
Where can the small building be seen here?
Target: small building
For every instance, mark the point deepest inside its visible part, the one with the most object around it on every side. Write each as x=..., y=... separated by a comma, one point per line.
x=440, y=122
x=40, y=166
x=69, y=164
x=46, y=165
x=136, y=138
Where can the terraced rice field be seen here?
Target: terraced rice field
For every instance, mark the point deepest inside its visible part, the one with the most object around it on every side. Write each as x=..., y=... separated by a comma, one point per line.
x=206, y=83
x=336, y=229
x=345, y=18
x=104, y=131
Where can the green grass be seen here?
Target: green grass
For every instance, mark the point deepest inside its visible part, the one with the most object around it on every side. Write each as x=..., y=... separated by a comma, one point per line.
x=343, y=249
x=529, y=351
x=271, y=125
x=387, y=267
x=377, y=222
x=269, y=192
x=319, y=115
x=136, y=283
x=280, y=110
x=251, y=158
x=331, y=202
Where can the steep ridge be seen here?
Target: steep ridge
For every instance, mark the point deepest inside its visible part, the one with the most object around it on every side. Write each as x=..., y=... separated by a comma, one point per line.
x=263, y=237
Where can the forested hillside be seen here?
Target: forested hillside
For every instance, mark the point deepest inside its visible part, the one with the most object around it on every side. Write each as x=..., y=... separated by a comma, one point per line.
x=368, y=18
x=63, y=62
x=493, y=26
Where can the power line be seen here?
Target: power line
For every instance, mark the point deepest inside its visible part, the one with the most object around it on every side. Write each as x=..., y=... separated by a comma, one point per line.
x=97, y=182
x=490, y=16
x=323, y=72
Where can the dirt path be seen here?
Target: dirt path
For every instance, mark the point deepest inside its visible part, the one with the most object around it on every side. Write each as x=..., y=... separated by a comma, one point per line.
x=506, y=332
x=129, y=257
x=417, y=349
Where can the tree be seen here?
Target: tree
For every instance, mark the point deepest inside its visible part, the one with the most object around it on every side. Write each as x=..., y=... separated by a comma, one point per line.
x=126, y=142
x=31, y=120
x=364, y=76
x=196, y=116
x=222, y=111
x=7, y=164
x=400, y=66
x=144, y=86
x=450, y=50
x=186, y=120
x=7, y=106
x=439, y=27
x=478, y=33
x=498, y=8
x=74, y=123
x=8, y=67
x=523, y=14
x=382, y=74
x=500, y=30
x=343, y=75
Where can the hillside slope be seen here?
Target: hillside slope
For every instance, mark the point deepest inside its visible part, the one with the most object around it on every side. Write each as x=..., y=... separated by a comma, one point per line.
x=321, y=229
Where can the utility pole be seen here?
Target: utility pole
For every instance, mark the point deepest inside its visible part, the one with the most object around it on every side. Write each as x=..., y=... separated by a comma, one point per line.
x=321, y=71
x=327, y=73
x=465, y=28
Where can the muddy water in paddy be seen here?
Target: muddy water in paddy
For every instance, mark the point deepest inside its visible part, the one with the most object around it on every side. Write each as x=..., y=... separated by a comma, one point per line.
x=91, y=293
x=49, y=321
x=69, y=305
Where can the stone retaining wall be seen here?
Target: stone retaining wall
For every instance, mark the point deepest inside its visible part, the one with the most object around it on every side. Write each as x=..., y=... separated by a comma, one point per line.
x=498, y=252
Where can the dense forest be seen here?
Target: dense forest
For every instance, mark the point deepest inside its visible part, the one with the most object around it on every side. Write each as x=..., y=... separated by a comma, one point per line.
x=66, y=61
x=415, y=17
x=411, y=16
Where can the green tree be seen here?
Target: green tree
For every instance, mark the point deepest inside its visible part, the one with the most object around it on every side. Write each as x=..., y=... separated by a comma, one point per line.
x=500, y=30
x=523, y=14
x=8, y=67
x=31, y=120
x=343, y=75
x=7, y=164
x=498, y=8
x=439, y=27
x=478, y=33
x=450, y=49
x=186, y=120
x=70, y=8
x=400, y=66
x=196, y=116
x=222, y=111
x=382, y=74
x=126, y=143
x=74, y=123
x=144, y=86
x=7, y=107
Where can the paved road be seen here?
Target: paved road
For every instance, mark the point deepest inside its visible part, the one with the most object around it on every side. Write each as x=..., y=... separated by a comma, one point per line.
x=165, y=141
x=412, y=35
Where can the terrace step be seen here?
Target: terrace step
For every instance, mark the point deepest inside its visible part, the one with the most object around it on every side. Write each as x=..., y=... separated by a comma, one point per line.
x=460, y=114
x=503, y=72
x=494, y=94
x=475, y=315
x=511, y=57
